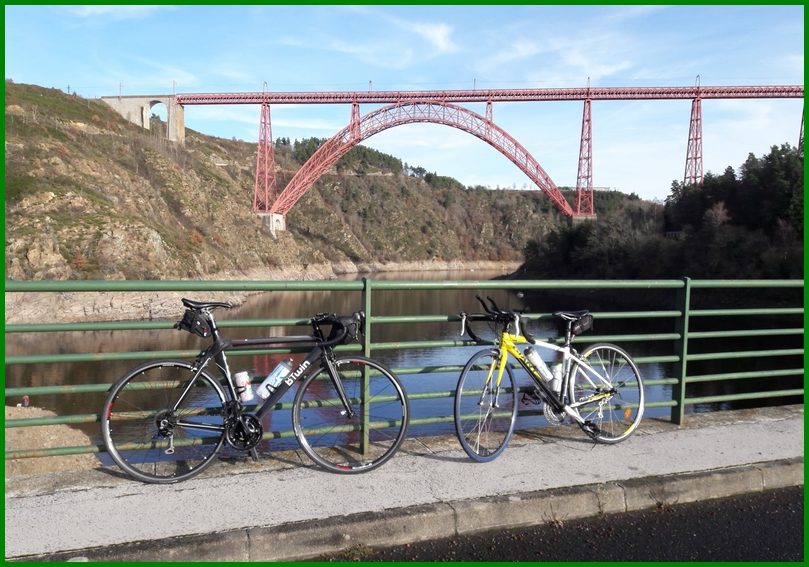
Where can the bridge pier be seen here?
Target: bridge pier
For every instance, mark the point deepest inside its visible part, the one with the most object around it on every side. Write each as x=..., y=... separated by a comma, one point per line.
x=137, y=109
x=581, y=217
x=273, y=221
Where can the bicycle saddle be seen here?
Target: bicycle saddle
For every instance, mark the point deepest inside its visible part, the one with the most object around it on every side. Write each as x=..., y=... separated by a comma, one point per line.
x=191, y=304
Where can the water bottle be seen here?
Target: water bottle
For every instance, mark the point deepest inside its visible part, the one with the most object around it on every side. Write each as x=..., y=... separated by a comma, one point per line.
x=556, y=381
x=534, y=358
x=243, y=386
x=274, y=378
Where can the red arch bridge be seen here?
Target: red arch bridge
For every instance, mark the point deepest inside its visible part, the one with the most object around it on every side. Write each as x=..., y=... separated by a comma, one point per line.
x=407, y=107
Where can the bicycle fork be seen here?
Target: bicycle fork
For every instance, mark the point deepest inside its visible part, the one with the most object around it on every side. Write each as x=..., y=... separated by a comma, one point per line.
x=490, y=385
x=338, y=385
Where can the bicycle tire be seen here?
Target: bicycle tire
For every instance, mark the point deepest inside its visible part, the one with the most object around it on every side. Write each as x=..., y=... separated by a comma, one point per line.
x=337, y=442
x=618, y=416
x=484, y=433
x=140, y=400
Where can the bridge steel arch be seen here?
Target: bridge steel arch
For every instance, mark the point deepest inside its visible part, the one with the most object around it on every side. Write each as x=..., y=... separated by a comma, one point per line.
x=401, y=113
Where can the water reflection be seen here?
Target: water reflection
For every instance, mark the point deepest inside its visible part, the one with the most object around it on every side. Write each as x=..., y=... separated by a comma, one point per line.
x=297, y=305
x=285, y=304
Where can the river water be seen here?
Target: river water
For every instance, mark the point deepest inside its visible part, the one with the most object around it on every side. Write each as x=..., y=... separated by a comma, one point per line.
x=302, y=305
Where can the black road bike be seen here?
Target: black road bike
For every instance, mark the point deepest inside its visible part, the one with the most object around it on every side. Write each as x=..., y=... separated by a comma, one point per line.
x=166, y=420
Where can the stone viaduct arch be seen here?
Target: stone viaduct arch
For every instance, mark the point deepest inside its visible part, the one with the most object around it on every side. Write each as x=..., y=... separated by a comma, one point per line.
x=407, y=113
x=137, y=109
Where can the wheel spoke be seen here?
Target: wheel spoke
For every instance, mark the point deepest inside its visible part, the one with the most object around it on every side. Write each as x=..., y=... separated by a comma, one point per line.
x=359, y=442
x=151, y=442
x=484, y=413
x=616, y=407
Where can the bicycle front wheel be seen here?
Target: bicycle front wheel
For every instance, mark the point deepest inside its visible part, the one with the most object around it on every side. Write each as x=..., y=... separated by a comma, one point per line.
x=150, y=436
x=361, y=441
x=485, y=413
x=610, y=396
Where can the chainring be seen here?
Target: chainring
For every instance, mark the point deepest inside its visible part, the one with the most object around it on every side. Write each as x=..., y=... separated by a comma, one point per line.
x=551, y=415
x=243, y=432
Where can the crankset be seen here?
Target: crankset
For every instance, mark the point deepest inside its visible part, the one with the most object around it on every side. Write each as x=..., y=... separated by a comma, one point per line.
x=553, y=416
x=534, y=397
x=243, y=432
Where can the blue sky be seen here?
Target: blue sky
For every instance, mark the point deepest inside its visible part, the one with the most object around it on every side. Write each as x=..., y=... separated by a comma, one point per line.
x=638, y=146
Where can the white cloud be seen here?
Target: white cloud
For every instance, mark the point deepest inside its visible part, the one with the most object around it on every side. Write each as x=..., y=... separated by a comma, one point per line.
x=227, y=71
x=436, y=137
x=562, y=60
x=436, y=34
x=218, y=113
x=153, y=74
x=389, y=51
x=624, y=13
x=385, y=55
x=518, y=50
x=593, y=65
x=251, y=115
x=309, y=124
x=114, y=13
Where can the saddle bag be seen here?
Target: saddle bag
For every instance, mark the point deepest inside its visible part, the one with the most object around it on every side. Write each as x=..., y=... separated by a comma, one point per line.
x=583, y=324
x=194, y=322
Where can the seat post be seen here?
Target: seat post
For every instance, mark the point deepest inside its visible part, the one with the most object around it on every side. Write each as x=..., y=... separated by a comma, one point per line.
x=214, y=328
x=568, y=333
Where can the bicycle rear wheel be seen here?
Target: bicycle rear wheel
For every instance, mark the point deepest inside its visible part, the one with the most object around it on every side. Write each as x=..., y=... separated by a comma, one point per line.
x=615, y=402
x=344, y=444
x=484, y=413
x=149, y=439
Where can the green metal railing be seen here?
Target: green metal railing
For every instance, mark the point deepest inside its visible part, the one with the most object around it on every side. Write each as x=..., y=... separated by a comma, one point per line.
x=681, y=332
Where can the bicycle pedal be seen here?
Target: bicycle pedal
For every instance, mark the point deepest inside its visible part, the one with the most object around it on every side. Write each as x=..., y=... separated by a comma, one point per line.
x=591, y=429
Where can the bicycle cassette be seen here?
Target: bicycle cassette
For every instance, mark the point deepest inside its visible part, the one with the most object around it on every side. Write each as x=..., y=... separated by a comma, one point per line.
x=243, y=432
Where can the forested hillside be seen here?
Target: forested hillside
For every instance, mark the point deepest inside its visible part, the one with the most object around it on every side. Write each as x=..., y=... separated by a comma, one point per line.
x=736, y=225
x=89, y=195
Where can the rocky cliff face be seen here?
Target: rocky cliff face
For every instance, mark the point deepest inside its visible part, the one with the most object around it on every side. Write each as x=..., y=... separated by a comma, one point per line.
x=91, y=196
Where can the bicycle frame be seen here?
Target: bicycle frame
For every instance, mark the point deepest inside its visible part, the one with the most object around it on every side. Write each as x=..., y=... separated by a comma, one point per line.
x=349, y=413
x=589, y=383
x=508, y=346
x=319, y=355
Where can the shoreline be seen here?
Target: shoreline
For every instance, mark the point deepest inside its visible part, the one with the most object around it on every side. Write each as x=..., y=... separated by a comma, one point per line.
x=71, y=307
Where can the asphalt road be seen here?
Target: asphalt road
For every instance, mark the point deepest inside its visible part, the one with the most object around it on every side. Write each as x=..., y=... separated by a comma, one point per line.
x=764, y=526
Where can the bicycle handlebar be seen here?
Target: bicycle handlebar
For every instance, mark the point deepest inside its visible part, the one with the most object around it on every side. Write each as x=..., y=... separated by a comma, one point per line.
x=342, y=326
x=494, y=313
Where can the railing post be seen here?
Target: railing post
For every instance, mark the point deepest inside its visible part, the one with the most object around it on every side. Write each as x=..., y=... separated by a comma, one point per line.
x=681, y=350
x=366, y=307
x=366, y=379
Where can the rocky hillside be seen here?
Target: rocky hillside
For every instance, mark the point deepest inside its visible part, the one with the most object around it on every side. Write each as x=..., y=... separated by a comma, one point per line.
x=89, y=195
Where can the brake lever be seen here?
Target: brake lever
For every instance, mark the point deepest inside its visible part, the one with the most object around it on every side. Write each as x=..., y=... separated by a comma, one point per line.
x=517, y=330
x=359, y=325
x=463, y=322
x=485, y=307
x=527, y=308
